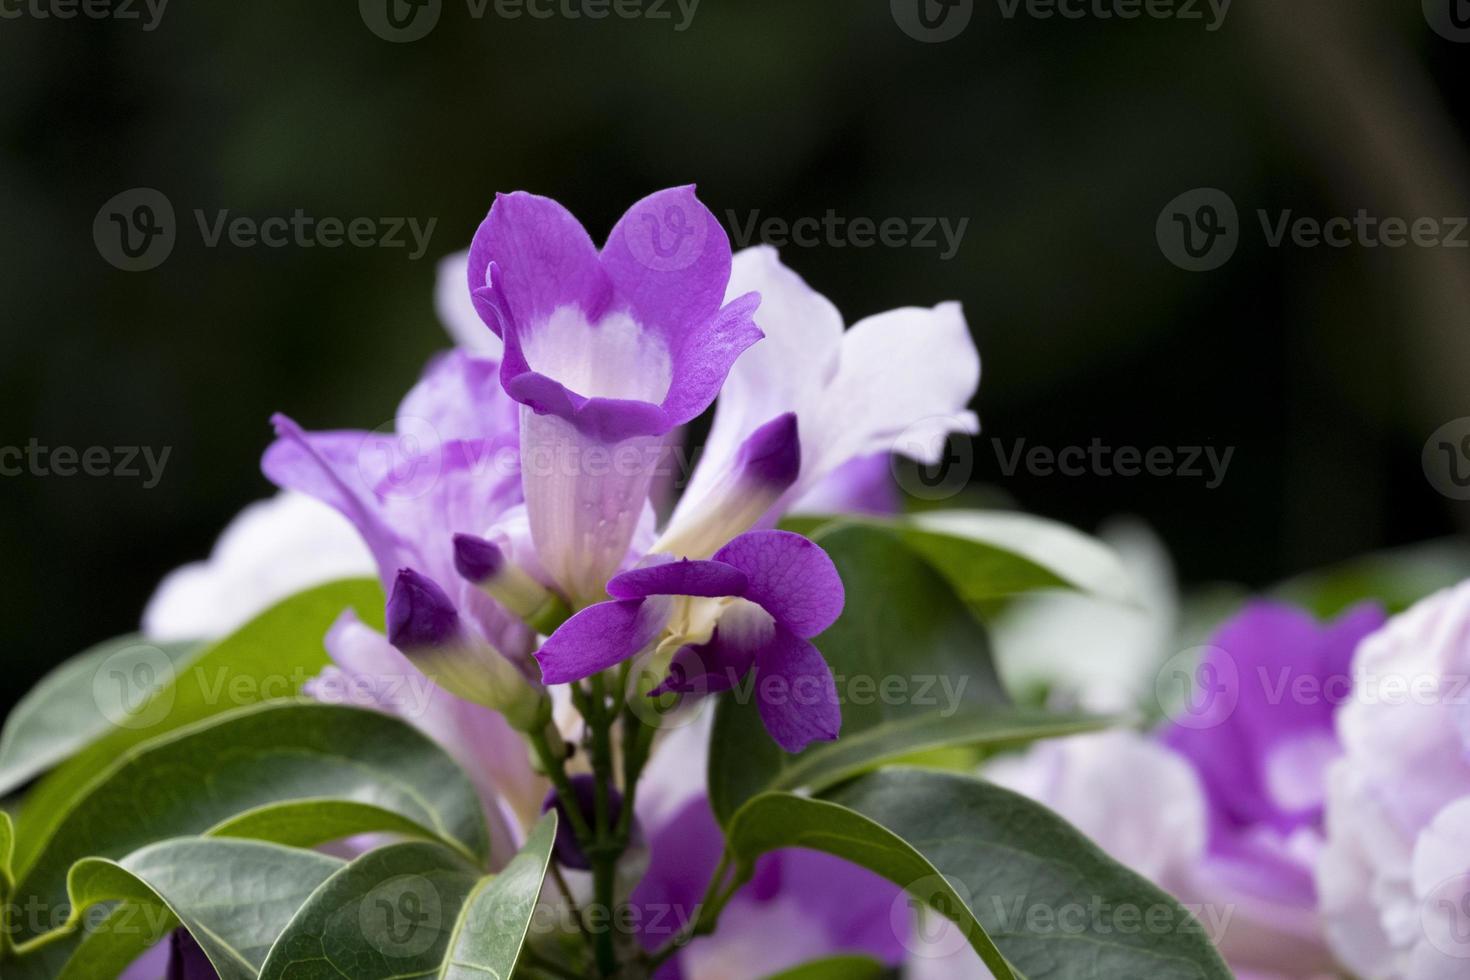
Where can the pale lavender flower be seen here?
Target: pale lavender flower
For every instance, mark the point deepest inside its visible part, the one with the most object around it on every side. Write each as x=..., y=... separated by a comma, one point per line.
x=1395, y=875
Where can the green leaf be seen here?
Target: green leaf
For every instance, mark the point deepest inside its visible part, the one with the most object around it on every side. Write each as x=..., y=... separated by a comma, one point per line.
x=993, y=554
x=415, y=910
x=1009, y=872
x=269, y=657
x=307, y=823
x=1395, y=579
x=79, y=702
x=285, y=753
x=913, y=670
x=233, y=896
x=835, y=968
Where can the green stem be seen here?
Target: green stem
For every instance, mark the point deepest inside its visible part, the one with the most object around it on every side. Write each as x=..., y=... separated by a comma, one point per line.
x=716, y=897
x=605, y=851
x=555, y=764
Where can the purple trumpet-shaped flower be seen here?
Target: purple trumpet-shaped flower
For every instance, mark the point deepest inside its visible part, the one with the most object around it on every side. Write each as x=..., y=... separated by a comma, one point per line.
x=606, y=353
x=443, y=471
x=767, y=594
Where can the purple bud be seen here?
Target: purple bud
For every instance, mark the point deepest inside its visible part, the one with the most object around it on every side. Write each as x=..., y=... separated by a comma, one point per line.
x=772, y=454
x=569, y=853
x=420, y=615
x=477, y=560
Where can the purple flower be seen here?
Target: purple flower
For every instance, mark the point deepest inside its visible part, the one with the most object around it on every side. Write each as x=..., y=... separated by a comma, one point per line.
x=800, y=905
x=1263, y=767
x=606, y=353
x=1224, y=805
x=755, y=605
x=449, y=467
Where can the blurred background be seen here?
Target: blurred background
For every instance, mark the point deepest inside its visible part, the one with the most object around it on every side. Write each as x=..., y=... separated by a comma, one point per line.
x=1058, y=142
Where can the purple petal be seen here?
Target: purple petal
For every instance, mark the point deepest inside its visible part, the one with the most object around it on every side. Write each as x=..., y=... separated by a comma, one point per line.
x=860, y=486
x=460, y=397
x=332, y=467
x=186, y=960
x=709, y=579
x=600, y=637
x=544, y=260
x=766, y=465
x=569, y=853
x=704, y=355
x=669, y=260
x=795, y=692
x=709, y=668
x=790, y=577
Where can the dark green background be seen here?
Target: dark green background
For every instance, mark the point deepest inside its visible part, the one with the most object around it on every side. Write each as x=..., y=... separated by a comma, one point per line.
x=1060, y=141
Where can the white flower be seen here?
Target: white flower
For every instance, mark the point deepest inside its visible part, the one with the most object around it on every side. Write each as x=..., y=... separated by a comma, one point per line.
x=1394, y=878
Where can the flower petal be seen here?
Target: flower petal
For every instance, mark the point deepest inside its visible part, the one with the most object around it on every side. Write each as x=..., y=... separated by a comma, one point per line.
x=600, y=637
x=668, y=259
x=790, y=577
x=272, y=549
x=707, y=579
x=544, y=260
x=907, y=373
x=584, y=499
x=795, y=692
x=457, y=310
x=785, y=372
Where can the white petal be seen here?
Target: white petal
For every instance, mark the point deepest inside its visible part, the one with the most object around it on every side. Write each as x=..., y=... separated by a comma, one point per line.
x=904, y=380
x=786, y=372
x=273, y=549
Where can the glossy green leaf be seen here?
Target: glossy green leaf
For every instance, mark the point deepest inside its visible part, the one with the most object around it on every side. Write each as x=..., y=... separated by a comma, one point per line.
x=416, y=910
x=992, y=554
x=1010, y=873
x=284, y=753
x=309, y=822
x=233, y=896
x=81, y=701
x=269, y=657
x=835, y=968
x=913, y=670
